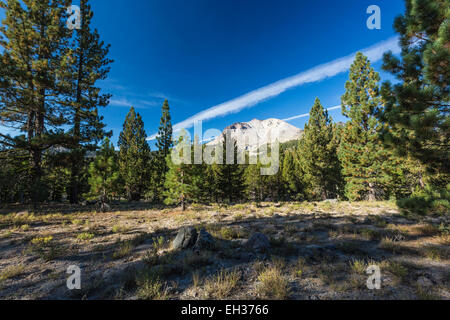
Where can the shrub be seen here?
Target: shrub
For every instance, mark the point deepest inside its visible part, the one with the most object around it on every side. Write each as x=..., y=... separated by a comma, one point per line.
x=124, y=250
x=85, y=236
x=222, y=284
x=273, y=284
x=150, y=287
x=11, y=272
x=119, y=229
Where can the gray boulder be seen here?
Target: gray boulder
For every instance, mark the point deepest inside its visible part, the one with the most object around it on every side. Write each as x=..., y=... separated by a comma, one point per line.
x=204, y=241
x=185, y=238
x=258, y=242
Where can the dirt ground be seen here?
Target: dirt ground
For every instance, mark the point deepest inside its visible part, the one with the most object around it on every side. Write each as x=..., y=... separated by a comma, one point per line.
x=317, y=251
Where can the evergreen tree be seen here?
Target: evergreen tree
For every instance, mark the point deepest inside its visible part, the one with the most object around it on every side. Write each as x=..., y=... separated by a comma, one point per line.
x=13, y=175
x=361, y=152
x=178, y=184
x=318, y=155
x=163, y=144
x=202, y=184
x=34, y=38
x=291, y=174
x=255, y=183
x=88, y=64
x=134, y=156
x=229, y=176
x=416, y=110
x=209, y=186
x=104, y=174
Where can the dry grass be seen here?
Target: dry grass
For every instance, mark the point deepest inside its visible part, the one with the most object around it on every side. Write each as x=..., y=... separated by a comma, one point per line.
x=150, y=287
x=124, y=250
x=341, y=236
x=221, y=285
x=11, y=272
x=273, y=285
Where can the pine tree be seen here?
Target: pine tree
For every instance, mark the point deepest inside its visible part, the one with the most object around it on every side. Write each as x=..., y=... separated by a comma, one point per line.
x=361, y=152
x=199, y=176
x=89, y=64
x=32, y=64
x=13, y=175
x=164, y=144
x=291, y=174
x=104, y=173
x=416, y=110
x=134, y=156
x=255, y=183
x=230, y=176
x=318, y=156
x=178, y=184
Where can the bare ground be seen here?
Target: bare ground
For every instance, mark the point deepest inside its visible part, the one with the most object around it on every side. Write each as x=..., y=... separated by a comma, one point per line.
x=318, y=251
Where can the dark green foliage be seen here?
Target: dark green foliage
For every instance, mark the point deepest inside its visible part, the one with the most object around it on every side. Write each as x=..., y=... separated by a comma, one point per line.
x=229, y=176
x=13, y=175
x=32, y=66
x=292, y=175
x=134, y=157
x=317, y=156
x=179, y=185
x=88, y=62
x=104, y=173
x=255, y=183
x=416, y=110
x=361, y=152
x=163, y=144
x=47, y=89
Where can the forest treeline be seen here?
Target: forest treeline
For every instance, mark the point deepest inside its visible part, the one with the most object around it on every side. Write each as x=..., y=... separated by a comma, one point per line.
x=395, y=144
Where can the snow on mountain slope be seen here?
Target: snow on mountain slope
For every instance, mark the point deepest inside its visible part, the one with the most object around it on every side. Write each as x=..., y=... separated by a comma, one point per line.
x=258, y=132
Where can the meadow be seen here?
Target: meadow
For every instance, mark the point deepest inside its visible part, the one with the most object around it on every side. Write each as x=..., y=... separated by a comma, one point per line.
x=317, y=251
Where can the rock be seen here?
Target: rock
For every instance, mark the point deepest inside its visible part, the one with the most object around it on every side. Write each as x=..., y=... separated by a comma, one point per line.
x=424, y=282
x=258, y=242
x=331, y=200
x=104, y=207
x=204, y=241
x=185, y=238
x=21, y=214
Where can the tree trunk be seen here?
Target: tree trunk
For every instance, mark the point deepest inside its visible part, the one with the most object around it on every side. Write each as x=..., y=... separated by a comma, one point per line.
x=372, y=192
x=74, y=177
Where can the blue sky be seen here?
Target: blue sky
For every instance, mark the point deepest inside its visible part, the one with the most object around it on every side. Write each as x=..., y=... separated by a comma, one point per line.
x=202, y=53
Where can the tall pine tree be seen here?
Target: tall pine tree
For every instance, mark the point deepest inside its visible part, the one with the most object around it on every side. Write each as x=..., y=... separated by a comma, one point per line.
x=318, y=155
x=416, y=109
x=134, y=156
x=361, y=152
x=164, y=144
x=230, y=176
x=291, y=174
x=179, y=184
x=34, y=38
x=88, y=64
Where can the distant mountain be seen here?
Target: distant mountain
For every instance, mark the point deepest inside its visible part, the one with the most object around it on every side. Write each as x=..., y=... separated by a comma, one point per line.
x=259, y=132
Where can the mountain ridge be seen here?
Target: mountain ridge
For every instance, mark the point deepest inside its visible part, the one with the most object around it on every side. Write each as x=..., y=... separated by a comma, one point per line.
x=252, y=134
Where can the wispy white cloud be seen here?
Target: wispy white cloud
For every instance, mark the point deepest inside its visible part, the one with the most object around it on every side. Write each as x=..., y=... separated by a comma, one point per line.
x=137, y=104
x=318, y=73
x=307, y=114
